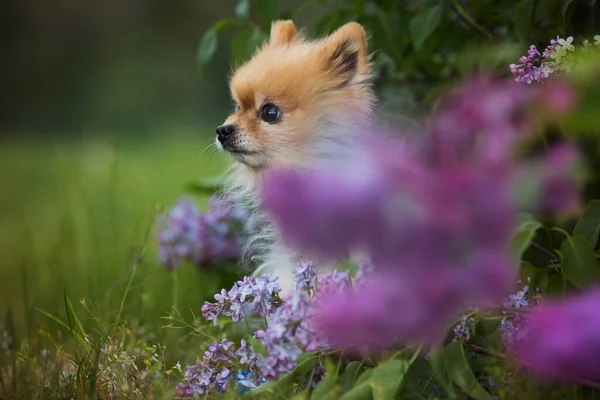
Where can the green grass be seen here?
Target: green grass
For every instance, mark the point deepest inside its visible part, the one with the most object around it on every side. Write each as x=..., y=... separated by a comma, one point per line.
x=77, y=243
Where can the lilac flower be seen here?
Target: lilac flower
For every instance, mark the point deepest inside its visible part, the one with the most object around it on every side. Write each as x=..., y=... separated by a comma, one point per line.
x=202, y=238
x=258, y=294
x=463, y=329
x=519, y=299
x=246, y=354
x=366, y=269
x=514, y=330
x=555, y=59
x=306, y=276
x=564, y=341
x=393, y=307
x=334, y=282
x=217, y=369
x=527, y=71
x=180, y=240
x=198, y=380
x=288, y=334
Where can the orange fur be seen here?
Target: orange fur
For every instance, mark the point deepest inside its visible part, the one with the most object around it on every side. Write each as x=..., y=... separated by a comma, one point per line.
x=310, y=88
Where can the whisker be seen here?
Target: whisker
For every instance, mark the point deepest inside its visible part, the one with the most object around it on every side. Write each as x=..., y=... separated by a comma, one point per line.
x=206, y=148
x=213, y=154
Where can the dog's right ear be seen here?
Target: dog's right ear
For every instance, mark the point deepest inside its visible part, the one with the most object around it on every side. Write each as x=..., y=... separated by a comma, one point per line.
x=282, y=32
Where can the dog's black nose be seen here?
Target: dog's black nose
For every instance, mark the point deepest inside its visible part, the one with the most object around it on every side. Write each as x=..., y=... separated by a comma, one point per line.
x=224, y=131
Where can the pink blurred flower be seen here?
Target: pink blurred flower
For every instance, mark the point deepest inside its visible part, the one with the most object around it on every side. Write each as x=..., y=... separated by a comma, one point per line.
x=435, y=216
x=563, y=340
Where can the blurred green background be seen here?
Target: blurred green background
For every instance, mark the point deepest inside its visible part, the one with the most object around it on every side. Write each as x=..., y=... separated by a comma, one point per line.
x=103, y=121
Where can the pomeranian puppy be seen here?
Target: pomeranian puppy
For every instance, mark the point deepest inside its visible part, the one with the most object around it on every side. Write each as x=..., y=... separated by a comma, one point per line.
x=299, y=103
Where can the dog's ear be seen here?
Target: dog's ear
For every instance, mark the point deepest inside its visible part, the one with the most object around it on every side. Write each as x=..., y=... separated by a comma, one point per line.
x=345, y=52
x=283, y=32
x=347, y=49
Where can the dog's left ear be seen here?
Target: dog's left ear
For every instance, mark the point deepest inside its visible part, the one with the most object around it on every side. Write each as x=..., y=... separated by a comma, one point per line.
x=282, y=32
x=346, y=51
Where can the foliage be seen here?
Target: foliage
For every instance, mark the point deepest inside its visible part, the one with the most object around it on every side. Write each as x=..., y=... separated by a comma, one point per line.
x=419, y=48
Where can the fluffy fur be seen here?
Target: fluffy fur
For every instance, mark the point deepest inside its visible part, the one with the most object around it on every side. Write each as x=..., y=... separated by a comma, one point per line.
x=323, y=91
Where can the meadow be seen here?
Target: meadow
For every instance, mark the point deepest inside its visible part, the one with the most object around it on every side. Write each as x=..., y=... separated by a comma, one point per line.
x=78, y=227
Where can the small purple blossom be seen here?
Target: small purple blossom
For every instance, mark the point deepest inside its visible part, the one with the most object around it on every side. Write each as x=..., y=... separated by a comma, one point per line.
x=463, y=329
x=334, y=282
x=514, y=330
x=258, y=294
x=306, y=276
x=519, y=299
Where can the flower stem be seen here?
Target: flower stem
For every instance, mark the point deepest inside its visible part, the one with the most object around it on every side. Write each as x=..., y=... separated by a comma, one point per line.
x=470, y=21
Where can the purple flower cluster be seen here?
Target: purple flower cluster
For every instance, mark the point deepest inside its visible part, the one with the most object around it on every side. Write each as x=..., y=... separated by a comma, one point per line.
x=562, y=339
x=290, y=330
x=436, y=216
x=285, y=336
x=252, y=294
x=536, y=66
x=201, y=238
x=306, y=276
x=217, y=368
x=555, y=59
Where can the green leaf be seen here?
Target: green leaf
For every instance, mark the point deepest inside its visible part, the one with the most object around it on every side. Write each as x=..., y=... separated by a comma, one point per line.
x=487, y=326
x=268, y=10
x=207, y=47
x=555, y=284
x=242, y=9
x=244, y=44
x=330, y=22
x=589, y=223
x=77, y=336
x=349, y=376
x=538, y=276
x=460, y=372
x=568, y=8
x=387, y=378
x=524, y=21
x=325, y=388
x=206, y=185
x=388, y=35
x=580, y=265
x=438, y=365
x=525, y=232
x=359, y=392
x=362, y=388
x=223, y=24
x=423, y=24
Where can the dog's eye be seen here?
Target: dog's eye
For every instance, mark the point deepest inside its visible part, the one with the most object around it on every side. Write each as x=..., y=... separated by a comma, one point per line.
x=237, y=108
x=270, y=113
